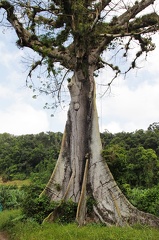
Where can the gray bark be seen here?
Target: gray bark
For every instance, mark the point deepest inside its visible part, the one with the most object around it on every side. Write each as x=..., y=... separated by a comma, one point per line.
x=80, y=170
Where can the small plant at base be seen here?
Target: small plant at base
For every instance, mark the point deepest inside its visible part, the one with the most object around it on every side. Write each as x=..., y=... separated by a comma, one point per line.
x=90, y=203
x=67, y=211
x=37, y=207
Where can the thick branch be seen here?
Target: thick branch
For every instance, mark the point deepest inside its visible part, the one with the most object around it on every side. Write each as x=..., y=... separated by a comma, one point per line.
x=11, y=17
x=105, y=3
x=147, y=21
x=133, y=11
x=121, y=27
x=26, y=39
x=129, y=34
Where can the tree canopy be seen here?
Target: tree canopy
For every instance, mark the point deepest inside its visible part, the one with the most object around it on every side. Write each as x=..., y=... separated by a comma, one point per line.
x=74, y=33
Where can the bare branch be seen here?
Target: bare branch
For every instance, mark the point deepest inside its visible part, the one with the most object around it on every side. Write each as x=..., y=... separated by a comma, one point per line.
x=99, y=8
x=116, y=71
x=34, y=66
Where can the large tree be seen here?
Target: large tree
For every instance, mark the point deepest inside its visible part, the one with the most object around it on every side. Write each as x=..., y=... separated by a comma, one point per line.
x=74, y=34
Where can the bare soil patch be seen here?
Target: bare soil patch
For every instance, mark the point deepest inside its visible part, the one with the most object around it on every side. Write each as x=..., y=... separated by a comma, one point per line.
x=3, y=236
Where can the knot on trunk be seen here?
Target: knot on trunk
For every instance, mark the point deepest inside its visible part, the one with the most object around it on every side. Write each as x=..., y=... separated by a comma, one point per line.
x=80, y=75
x=76, y=106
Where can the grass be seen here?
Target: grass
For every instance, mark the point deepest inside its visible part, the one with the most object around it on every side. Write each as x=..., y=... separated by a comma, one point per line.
x=19, y=183
x=30, y=230
x=7, y=216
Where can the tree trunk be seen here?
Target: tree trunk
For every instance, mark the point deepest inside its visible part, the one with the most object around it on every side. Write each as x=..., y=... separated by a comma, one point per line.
x=81, y=172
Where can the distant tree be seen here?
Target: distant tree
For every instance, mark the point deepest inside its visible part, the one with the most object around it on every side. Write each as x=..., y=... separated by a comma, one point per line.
x=72, y=35
x=143, y=167
x=116, y=158
x=154, y=126
x=22, y=155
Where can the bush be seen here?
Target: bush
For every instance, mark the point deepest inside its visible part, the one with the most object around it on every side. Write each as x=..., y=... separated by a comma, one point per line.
x=67, y=211
x=90, y=203
x=7, y=218
x=146, y=200
x=11, y=197
x=36, y=207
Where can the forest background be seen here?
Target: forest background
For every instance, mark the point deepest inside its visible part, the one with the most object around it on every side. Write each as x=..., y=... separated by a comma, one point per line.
x=133, y=159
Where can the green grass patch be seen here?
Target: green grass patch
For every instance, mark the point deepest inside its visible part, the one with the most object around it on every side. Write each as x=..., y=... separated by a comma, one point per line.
x=34, y=231
x=31, y=230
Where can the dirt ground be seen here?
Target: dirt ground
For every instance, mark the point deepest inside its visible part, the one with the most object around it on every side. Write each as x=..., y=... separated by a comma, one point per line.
x=3, y=236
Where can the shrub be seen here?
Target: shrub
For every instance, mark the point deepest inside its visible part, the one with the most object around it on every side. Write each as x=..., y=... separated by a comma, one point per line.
x=90, y=203
x=36, y=207
x=67, y=211
x=11, y=197
x=144, y=199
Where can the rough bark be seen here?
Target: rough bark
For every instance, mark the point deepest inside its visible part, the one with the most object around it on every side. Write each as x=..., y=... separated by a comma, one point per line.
x=81, y=172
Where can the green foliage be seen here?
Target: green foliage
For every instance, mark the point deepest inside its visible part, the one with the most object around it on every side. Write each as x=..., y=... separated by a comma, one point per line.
x=7, y=218
x=145, y=199
x=133, y=157
x=67, y=211
x=143, y=167
x=11, y=197
x=38, y=208
x=35, y=207
x=116, y=157
x=22, y=155
x=5, y=177
x=90, y=203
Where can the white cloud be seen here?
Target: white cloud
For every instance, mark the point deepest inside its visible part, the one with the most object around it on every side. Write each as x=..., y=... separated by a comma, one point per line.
x=19, y=112
x=130, y=109
x=4, y=92
x=134, y=101
x=23, y=119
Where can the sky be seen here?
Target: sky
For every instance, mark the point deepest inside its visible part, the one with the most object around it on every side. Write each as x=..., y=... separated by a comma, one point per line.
x=132, y=103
